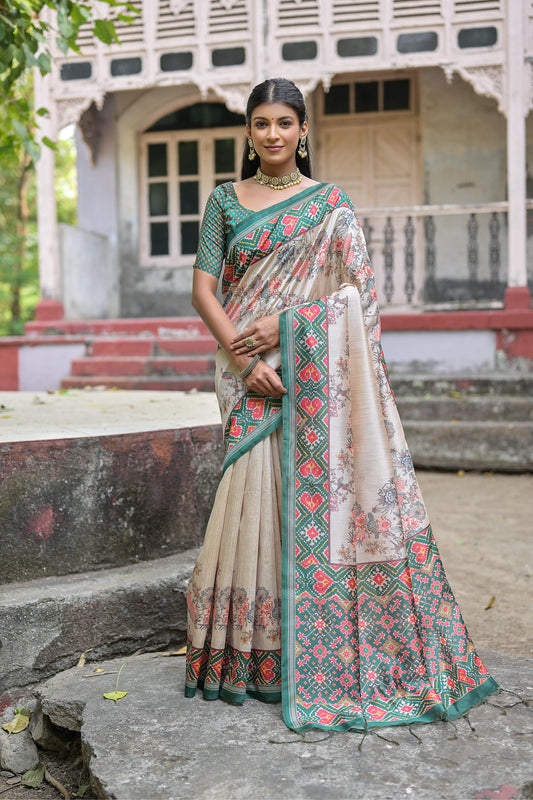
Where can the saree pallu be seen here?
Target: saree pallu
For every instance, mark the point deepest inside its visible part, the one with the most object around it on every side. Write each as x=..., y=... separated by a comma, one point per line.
x=320, y=582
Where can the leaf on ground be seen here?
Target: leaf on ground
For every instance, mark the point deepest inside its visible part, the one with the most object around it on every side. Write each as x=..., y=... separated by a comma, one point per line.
x=490, y=603
x=34, y=777
x=83, y=789
x=181, y=652
x=19, y=722
x=116, y=696
x=460, y=473
x=81, y=662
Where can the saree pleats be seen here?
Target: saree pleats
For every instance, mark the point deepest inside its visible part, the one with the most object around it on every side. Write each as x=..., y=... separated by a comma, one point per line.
x=234, y=598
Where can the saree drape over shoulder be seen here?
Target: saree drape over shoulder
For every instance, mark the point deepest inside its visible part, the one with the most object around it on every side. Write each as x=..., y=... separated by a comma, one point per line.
x=320, y=582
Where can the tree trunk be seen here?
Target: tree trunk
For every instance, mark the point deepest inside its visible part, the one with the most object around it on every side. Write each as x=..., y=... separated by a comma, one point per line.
x=22, y=234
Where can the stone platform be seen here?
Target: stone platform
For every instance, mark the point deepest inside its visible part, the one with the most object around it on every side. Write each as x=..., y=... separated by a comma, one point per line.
x=155, y=744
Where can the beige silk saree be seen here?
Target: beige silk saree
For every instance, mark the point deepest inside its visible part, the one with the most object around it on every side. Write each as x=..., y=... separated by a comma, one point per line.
x=319, y=582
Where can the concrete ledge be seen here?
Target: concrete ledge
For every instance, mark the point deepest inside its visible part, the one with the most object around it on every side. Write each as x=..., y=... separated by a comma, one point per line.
x=70, y=505
x=47, y=624
x=498, y=446
x=157, y=744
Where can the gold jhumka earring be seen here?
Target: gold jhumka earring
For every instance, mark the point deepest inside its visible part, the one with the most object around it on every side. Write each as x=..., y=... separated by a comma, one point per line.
x=252, y=154
x=302, y=151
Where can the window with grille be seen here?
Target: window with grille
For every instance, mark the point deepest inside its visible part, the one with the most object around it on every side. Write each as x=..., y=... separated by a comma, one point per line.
x=184, y=155
x=363, y=97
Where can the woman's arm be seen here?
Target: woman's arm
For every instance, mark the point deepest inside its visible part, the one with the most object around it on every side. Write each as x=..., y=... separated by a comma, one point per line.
x=263, y=379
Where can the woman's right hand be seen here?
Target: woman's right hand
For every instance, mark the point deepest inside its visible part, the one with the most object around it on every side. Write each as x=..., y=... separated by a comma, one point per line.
x=265, y=381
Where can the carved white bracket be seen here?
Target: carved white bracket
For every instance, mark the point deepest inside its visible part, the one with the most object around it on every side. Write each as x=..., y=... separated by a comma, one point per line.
x=70, y=111
x=235, y=95
x=177, y=6
x=486, y=81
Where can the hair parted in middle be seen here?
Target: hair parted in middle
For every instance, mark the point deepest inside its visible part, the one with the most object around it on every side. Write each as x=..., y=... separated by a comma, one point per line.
x=276, y=90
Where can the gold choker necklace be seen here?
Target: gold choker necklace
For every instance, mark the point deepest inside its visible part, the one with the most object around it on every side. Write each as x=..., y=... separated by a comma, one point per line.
x=282, y=182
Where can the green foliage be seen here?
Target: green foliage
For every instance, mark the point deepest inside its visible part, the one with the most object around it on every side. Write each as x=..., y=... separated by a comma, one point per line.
x=25, y=36
x=19, y=263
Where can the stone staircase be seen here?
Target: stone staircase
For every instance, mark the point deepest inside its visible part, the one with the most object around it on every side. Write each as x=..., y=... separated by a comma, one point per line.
x=162, y=354
x=468, y=422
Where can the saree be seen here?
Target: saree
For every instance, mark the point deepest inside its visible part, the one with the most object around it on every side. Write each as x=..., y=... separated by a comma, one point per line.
x=320, y=582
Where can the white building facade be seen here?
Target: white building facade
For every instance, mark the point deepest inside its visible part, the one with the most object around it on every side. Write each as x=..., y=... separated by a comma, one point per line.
x=418, y=108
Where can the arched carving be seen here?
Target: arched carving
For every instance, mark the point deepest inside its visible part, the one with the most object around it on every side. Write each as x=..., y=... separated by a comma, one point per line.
x=177, y=6
x=70, y=110
x=487, y=81
x=234, y=95
x=90, y=125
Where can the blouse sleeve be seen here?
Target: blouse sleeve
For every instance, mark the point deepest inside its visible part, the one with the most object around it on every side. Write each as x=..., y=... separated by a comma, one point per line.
x=212, y=246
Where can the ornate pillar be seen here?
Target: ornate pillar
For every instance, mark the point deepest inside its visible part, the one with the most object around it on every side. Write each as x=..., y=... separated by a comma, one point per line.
x=50, y=305
x=517, y=294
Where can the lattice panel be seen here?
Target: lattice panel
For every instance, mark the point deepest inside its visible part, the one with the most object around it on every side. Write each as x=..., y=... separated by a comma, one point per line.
x=299, y=13
x=133, y=33
x=227, y=17
x=416, y=8
x=347, y=11
x=174, y=20
x=477, y=6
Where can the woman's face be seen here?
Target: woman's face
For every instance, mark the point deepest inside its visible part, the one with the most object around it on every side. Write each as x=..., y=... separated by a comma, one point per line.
x=275, y=132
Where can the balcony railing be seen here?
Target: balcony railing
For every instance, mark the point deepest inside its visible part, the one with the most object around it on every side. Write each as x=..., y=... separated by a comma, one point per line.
x=439, y=255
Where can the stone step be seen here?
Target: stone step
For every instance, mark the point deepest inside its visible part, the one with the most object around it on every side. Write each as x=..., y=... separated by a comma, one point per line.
x=471, y=444
x=153, y=346
x=488, y=383
x=48, y=623
x=157, y=744
x=479, y=408
x=157, y=326
x=140, y=366
x=183, y=383
x=68, y=505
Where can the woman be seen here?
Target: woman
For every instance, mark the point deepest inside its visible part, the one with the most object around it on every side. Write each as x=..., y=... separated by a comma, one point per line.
x=319, y=582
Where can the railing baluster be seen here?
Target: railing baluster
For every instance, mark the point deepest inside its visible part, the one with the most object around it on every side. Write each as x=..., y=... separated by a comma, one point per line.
x=409, y=231
x=494, y=251
x=430, y=260
x=368, y=230
x=473, y=250
x=388, y=253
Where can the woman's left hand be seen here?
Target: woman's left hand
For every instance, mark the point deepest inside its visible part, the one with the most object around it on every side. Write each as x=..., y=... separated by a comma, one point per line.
x=265, y=332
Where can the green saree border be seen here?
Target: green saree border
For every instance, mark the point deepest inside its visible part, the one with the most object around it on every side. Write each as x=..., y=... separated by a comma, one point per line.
x=256, y=217
x=286, y=326
x=250, y=440
x=288, y=601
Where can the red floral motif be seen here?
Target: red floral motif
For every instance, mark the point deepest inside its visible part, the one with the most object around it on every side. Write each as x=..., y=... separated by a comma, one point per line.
x=311, y=407
x=264, y=243
x=310, y=467
x=322, y=581
x=312, y=503
x=310, y=373
x=256, y=405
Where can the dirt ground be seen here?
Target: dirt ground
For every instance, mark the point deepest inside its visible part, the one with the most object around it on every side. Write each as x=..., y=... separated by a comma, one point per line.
x=483, y=524
x=484, y=530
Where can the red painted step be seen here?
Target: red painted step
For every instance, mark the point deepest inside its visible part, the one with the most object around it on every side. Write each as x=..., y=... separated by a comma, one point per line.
x=158, y=326
x=142, y=365
x=184, y=383
x=152, y=346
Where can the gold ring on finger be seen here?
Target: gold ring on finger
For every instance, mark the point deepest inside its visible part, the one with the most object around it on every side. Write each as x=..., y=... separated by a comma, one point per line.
x=250, y=341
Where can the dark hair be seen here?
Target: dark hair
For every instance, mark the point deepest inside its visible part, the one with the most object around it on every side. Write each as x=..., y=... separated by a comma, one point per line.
x=276, y=90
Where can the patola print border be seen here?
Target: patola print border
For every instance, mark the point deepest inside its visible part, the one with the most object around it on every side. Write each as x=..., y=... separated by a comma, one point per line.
x=365, y=646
